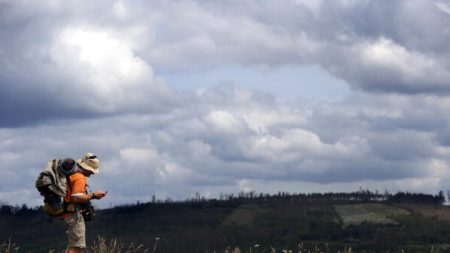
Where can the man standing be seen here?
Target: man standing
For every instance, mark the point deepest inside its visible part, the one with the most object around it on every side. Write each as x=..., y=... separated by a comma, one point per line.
x=76, y=194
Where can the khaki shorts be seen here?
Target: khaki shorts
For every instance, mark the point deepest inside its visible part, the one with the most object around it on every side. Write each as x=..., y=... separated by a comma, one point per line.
x=76, y=231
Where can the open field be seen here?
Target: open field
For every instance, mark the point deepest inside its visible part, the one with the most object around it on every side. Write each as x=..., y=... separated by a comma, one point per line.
x=434, y=212
x=116, y=246
x=377, y=213
x=245, y=215
x=223, y=226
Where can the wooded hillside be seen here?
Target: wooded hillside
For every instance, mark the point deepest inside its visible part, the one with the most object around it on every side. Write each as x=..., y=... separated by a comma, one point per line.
x=364, y=220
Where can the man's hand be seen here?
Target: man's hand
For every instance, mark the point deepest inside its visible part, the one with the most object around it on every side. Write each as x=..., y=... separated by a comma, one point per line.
x=99, y=194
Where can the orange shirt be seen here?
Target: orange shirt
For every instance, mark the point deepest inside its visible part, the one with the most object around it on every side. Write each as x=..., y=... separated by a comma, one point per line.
x=77, y=185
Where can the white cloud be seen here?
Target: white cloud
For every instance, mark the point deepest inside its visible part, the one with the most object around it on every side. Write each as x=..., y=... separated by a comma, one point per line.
x=120, y=9
x=439, y=168
x=139, y=156
x=395, y=61
x=224, y=122
x=105, y=73
x=313, y=5
x=245, y=185
x=444, y=7
x=168, y=156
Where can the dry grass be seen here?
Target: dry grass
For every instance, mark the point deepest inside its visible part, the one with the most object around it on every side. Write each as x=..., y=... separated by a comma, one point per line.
x=8, y=247
x=116, y=246
x=437, y=212
x=355, y=214
x=99, y=246
x=300, y=249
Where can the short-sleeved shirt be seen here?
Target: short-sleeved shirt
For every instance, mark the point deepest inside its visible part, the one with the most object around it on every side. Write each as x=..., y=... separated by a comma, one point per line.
x=77, y=186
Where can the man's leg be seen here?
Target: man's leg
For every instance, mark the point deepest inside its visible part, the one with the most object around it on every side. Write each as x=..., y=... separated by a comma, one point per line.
x=76, y=233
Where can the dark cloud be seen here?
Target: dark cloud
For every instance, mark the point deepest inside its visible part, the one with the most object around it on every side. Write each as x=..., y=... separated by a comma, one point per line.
x=376, y=46
x=212, y=147
x=47, y=52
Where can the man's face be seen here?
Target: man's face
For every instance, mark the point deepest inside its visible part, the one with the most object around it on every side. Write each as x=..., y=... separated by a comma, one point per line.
x=85, y=172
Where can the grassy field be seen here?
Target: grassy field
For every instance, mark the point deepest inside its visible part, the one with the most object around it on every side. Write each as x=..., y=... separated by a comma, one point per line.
x=245, y=215
x=434, y=212
x=116, y=246
x=207, y=227
x=376, y=213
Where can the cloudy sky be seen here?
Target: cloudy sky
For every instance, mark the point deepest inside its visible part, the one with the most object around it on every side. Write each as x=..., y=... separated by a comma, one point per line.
x=185, y=96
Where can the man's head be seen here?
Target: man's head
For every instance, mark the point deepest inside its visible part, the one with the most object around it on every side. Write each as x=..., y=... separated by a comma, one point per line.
x=67, y=165
x=89, y=163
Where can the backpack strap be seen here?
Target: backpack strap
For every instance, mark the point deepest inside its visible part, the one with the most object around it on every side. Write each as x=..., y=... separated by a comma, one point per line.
x=68, y=206
x=68, y=182
x=88, y=187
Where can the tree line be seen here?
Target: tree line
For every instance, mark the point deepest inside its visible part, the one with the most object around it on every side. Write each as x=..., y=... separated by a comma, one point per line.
x=251, y=196
x=357, y=196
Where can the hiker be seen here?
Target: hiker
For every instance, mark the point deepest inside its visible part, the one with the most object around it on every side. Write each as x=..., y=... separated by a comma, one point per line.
x=77, y=195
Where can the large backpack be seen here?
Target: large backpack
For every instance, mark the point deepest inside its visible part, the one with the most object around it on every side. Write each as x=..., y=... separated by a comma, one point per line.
x=52, y=184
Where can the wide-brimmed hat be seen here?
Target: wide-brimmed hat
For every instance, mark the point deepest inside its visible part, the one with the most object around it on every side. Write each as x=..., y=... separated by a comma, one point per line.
x=89, y=162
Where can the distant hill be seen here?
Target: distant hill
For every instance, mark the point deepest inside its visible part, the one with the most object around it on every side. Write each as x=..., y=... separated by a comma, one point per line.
x=368, y=222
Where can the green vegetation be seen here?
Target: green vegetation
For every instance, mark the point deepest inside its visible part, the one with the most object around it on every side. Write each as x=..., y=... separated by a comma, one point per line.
x=244, y=215
x=376, y=213
x=116, y=246
x=8, y=247
x=323, y=222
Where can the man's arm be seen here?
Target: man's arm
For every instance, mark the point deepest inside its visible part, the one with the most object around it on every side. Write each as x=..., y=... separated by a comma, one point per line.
x=85, y=197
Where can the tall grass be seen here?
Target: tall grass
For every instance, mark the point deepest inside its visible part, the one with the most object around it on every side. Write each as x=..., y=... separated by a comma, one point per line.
x=115, y=246
x=101, y=245
x=301, y=249
x=8, y=247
